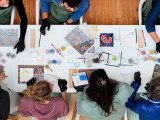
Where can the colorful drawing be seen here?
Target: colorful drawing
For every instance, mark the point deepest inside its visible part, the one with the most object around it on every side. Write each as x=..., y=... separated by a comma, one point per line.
x=8, y=37
x=79, y=40
x=106, y=40
x=156, y=72
x=26, y=72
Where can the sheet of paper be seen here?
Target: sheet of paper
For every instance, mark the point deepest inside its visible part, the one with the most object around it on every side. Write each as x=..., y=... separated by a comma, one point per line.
x=26, y=74
x=80, y=79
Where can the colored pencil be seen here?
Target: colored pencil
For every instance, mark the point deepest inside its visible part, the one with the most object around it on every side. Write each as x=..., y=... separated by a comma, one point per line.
x=56, y=49
x=144, y=38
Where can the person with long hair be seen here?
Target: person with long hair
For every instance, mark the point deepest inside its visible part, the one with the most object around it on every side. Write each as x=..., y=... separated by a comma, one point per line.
x=104, y=99
x=148, y=105
x=37, y=100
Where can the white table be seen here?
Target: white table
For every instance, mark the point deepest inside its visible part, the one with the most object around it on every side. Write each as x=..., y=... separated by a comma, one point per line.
x=56, y=36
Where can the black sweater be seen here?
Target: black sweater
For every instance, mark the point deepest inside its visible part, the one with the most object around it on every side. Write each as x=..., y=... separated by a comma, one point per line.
x=4, y=104
x=22, y=13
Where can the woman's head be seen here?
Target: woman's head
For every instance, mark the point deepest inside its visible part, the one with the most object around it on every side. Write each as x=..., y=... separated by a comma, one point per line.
x=40, y=91
x=154, y=88
x=71, y=4
x=2, y=74
x=102, y=90
x=4, y=3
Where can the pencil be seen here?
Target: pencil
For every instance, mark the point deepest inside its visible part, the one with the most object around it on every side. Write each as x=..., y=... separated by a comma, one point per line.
x=56, y=49
x=144, y=38
x=39, y=40
x=120, y=57
x=112, y=65
x=136, y=34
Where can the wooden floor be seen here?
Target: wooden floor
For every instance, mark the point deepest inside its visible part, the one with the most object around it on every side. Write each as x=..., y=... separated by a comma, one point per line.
x=101, y=12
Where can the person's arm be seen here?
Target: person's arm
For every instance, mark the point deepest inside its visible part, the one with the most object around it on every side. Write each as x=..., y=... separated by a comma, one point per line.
x=22, y=13
x=151, y=20
x=23, y=26
x=64, y=96
x=81, y=10
x=45, y=8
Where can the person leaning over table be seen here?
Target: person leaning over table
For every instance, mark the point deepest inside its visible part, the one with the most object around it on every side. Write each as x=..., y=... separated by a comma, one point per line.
x=104, y=98
x=37, y=100
x=148, y=106
x=6, y=7
x=8, y=98
x=62, y=12
x=152, y=19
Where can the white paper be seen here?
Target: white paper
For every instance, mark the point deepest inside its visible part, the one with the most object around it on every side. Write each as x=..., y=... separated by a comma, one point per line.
x=26, y=74
x=77, y=81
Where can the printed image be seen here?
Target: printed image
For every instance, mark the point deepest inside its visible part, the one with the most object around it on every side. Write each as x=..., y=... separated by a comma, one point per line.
x=106, y=40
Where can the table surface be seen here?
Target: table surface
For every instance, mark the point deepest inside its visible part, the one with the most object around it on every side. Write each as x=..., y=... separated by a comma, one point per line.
x=56, y=36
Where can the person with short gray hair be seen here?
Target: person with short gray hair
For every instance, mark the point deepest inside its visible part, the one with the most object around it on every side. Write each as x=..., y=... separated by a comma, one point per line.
x=4, y=98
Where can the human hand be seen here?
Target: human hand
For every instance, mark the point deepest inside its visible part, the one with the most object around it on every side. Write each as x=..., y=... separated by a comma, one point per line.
x=137, y=77
x=20, y=46
x=158, y=47
x=31, y=82
x=62, y=83
x=79, y=88
x=146, y=87
x=45, y=24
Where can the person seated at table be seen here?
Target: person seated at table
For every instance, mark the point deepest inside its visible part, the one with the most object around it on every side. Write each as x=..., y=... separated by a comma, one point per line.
x=148, y=106
x=37, y=100
x=6, y=7
x=151, y=9
x=62, y=12
x=104, y=98
x=8, y=98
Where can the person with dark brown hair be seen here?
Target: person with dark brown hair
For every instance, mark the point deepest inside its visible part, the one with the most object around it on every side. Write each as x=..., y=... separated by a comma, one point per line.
x=148, y=106
x=37, y=100
x=104, y=98
x=62, y=12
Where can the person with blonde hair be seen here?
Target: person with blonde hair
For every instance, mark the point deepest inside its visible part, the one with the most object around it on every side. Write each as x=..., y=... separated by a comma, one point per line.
x=37, y=100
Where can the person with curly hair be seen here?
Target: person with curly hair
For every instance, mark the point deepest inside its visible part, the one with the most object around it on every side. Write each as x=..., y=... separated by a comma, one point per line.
x=104, y=98
x=37, y=100
x=148, y=106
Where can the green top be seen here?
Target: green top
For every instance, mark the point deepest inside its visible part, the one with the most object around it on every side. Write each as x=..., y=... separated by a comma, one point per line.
x=90, y=109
